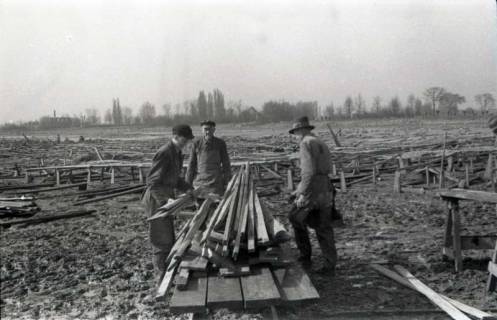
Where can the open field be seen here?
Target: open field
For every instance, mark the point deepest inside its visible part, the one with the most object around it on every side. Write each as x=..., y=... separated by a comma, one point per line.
x=99, y=265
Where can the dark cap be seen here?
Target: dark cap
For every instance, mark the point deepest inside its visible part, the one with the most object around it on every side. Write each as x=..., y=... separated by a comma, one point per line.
x=208, y=123
x=183, y=130
x=300, y=123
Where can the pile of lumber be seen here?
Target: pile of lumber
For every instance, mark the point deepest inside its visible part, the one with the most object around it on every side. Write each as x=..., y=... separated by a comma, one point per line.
x=228, y=255
x=18, y=207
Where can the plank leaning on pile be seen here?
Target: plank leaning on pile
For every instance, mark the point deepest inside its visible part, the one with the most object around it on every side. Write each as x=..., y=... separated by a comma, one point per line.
x=312, y=205
x=163, y=178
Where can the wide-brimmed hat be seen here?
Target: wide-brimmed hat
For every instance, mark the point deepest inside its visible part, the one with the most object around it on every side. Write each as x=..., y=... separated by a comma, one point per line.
x=209, y=123
x=300, y=123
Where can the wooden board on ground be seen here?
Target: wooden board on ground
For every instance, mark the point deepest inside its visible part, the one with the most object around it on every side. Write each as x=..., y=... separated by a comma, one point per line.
x=259, y=289
x=295, y=285
x=195, y=263
x=192, y=299
x=224, y=293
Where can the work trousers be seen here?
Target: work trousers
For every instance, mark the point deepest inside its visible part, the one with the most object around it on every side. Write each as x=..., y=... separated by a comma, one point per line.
x=318, y=218
x=161, y=231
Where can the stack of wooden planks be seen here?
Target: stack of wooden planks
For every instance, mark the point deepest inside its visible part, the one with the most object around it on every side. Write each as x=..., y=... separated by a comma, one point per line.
x=18, y=207
x=228, y=255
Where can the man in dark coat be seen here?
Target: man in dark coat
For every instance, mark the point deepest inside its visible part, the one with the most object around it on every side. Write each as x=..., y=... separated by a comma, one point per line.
x=164, y=177
x=209, y=166
x=313, y=198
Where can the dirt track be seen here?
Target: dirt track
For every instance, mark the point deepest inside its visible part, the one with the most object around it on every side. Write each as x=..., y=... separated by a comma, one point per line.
x=99, y=266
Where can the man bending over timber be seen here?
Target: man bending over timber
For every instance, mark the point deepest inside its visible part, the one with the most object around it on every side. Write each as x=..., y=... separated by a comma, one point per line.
x=162, y=180
x=209, y=166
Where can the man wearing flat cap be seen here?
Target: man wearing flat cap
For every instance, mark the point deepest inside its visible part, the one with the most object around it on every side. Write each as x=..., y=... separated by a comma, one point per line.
x=163, y=178
x=313, y=195
x=209, y=165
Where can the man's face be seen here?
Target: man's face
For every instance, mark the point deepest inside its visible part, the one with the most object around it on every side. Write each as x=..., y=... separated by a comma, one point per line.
x=182, y=141
x=208, y=131
x=298, y=134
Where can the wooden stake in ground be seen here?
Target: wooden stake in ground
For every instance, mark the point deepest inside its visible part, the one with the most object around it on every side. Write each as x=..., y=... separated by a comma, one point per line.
x=441, y=182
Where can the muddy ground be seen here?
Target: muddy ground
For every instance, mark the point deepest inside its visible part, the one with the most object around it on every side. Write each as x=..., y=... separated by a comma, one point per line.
x=99, y=266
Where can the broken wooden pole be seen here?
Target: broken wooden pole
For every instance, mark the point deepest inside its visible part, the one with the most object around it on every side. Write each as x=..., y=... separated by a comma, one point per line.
x=442, y=180
x=113, y=195
x=68, y=186
x=57, y=177
x=489, y=168
x=36, y=220
x=112, y=175
x=343, y=184
x=289, y=180
x=88, y=176
x=396, y=182
x=333, y=135
x=427, y=176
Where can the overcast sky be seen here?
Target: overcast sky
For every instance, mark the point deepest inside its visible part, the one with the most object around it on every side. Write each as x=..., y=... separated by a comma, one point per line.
x=73, y=55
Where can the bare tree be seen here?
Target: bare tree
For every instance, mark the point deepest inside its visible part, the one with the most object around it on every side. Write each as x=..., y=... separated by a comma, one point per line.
x=127, y=115
x=449, y=103
x=359, y=104
x=166, y=108
x=92, y=116
x=108, y=116
x=147, y=112
x=348, y=106
x=486, y=101
x=376, y=107
x=433, y=95
x=329, y=111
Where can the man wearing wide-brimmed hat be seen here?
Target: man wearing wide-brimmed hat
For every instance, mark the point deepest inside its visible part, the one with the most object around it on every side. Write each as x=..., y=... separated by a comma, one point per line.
x=209, y=166
x=162, y=179
x=313, y=197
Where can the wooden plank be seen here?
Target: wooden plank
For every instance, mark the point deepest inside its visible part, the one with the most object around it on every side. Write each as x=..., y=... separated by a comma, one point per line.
x=295, y=285
x=461, y=306
x=118, y=194
x=333, y=135
x=259, y=289
x=275, y=174
x=432, y=295
x=262, y=235
x=196, y=264
x=492, y=269
x=181, y=280
x=251, y=219
x=475, y=195
x=224, y=293
x=36, y=220
x=166, y=282
x=192, y=299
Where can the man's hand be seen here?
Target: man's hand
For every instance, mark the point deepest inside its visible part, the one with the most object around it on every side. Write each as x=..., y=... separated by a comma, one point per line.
x=300, y=202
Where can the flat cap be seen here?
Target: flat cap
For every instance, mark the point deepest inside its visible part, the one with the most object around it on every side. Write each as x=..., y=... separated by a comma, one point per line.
x=208, y=123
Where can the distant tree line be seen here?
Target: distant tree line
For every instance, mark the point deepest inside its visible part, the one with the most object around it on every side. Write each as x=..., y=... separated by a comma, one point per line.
x=435, y=102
